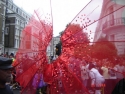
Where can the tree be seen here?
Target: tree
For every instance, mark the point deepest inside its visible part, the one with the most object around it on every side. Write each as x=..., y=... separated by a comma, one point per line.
x=103, y=49
x=74, y=40
x=81, y=40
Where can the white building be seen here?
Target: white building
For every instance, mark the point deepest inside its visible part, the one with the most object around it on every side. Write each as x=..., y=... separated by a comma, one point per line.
x=16, y=20
x=2, y=24
x=113, y=25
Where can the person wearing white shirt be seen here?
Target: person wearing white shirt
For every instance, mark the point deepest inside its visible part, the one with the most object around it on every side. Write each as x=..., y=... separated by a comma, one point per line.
x=96, y=78
x=84, y=74
x=112, y=78
x=120, y=70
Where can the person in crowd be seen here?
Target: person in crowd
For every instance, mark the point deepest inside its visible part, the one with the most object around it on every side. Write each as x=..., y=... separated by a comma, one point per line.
x=105, y=74
x=2, y=54
x=120, y=74
x=120, y=70
x=119, y=87
x=5, y=75
x=40, y=85
x=99, y=66
x=112, y=77
x=84, y=73
x=105, y=70
x=12, y=56
x=97, y=80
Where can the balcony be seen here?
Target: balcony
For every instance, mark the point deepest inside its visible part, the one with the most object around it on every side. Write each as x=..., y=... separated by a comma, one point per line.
x=113, y=23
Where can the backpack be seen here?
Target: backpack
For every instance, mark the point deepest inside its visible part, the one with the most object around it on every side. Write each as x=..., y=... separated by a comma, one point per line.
x=120, y=87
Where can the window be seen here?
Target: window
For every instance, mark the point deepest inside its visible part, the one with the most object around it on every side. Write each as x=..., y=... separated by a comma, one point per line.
x=15, y=31
x=112, y=37
x=9, y=5
x=16, y=21
x=12, y=6
x=16, y=42
x=7, y=31
x=17, y=10
x=111, y=17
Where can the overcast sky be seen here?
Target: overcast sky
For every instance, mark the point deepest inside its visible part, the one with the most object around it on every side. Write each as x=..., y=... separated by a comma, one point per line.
x=63, y=10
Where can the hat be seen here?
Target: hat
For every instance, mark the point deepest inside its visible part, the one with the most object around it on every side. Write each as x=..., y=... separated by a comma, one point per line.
x=91, y=65
x=12, y=54
x=5, y=63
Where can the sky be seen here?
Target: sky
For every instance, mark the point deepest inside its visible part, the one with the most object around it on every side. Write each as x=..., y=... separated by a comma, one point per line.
x=63, y=11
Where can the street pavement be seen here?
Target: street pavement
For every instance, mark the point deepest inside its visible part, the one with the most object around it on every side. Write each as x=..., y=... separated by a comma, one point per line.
x=16, y=91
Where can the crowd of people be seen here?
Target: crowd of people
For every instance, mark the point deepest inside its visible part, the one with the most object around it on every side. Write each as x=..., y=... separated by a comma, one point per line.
x=6, y=75
x=98, y=76
x=7, y=60
x=102, y=76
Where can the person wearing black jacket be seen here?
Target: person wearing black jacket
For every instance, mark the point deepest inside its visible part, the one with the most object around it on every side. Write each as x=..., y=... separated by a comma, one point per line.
x=120, y=87
x=5, y=75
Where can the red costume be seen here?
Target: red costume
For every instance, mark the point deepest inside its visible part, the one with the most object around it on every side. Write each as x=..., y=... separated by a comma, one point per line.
x=64, y=73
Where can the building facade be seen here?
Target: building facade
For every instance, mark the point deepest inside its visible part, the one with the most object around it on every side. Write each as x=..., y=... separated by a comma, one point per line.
x=2, y=24
x=12, y=26
x=52, y=45
x=112, y=26
x=12, y=22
